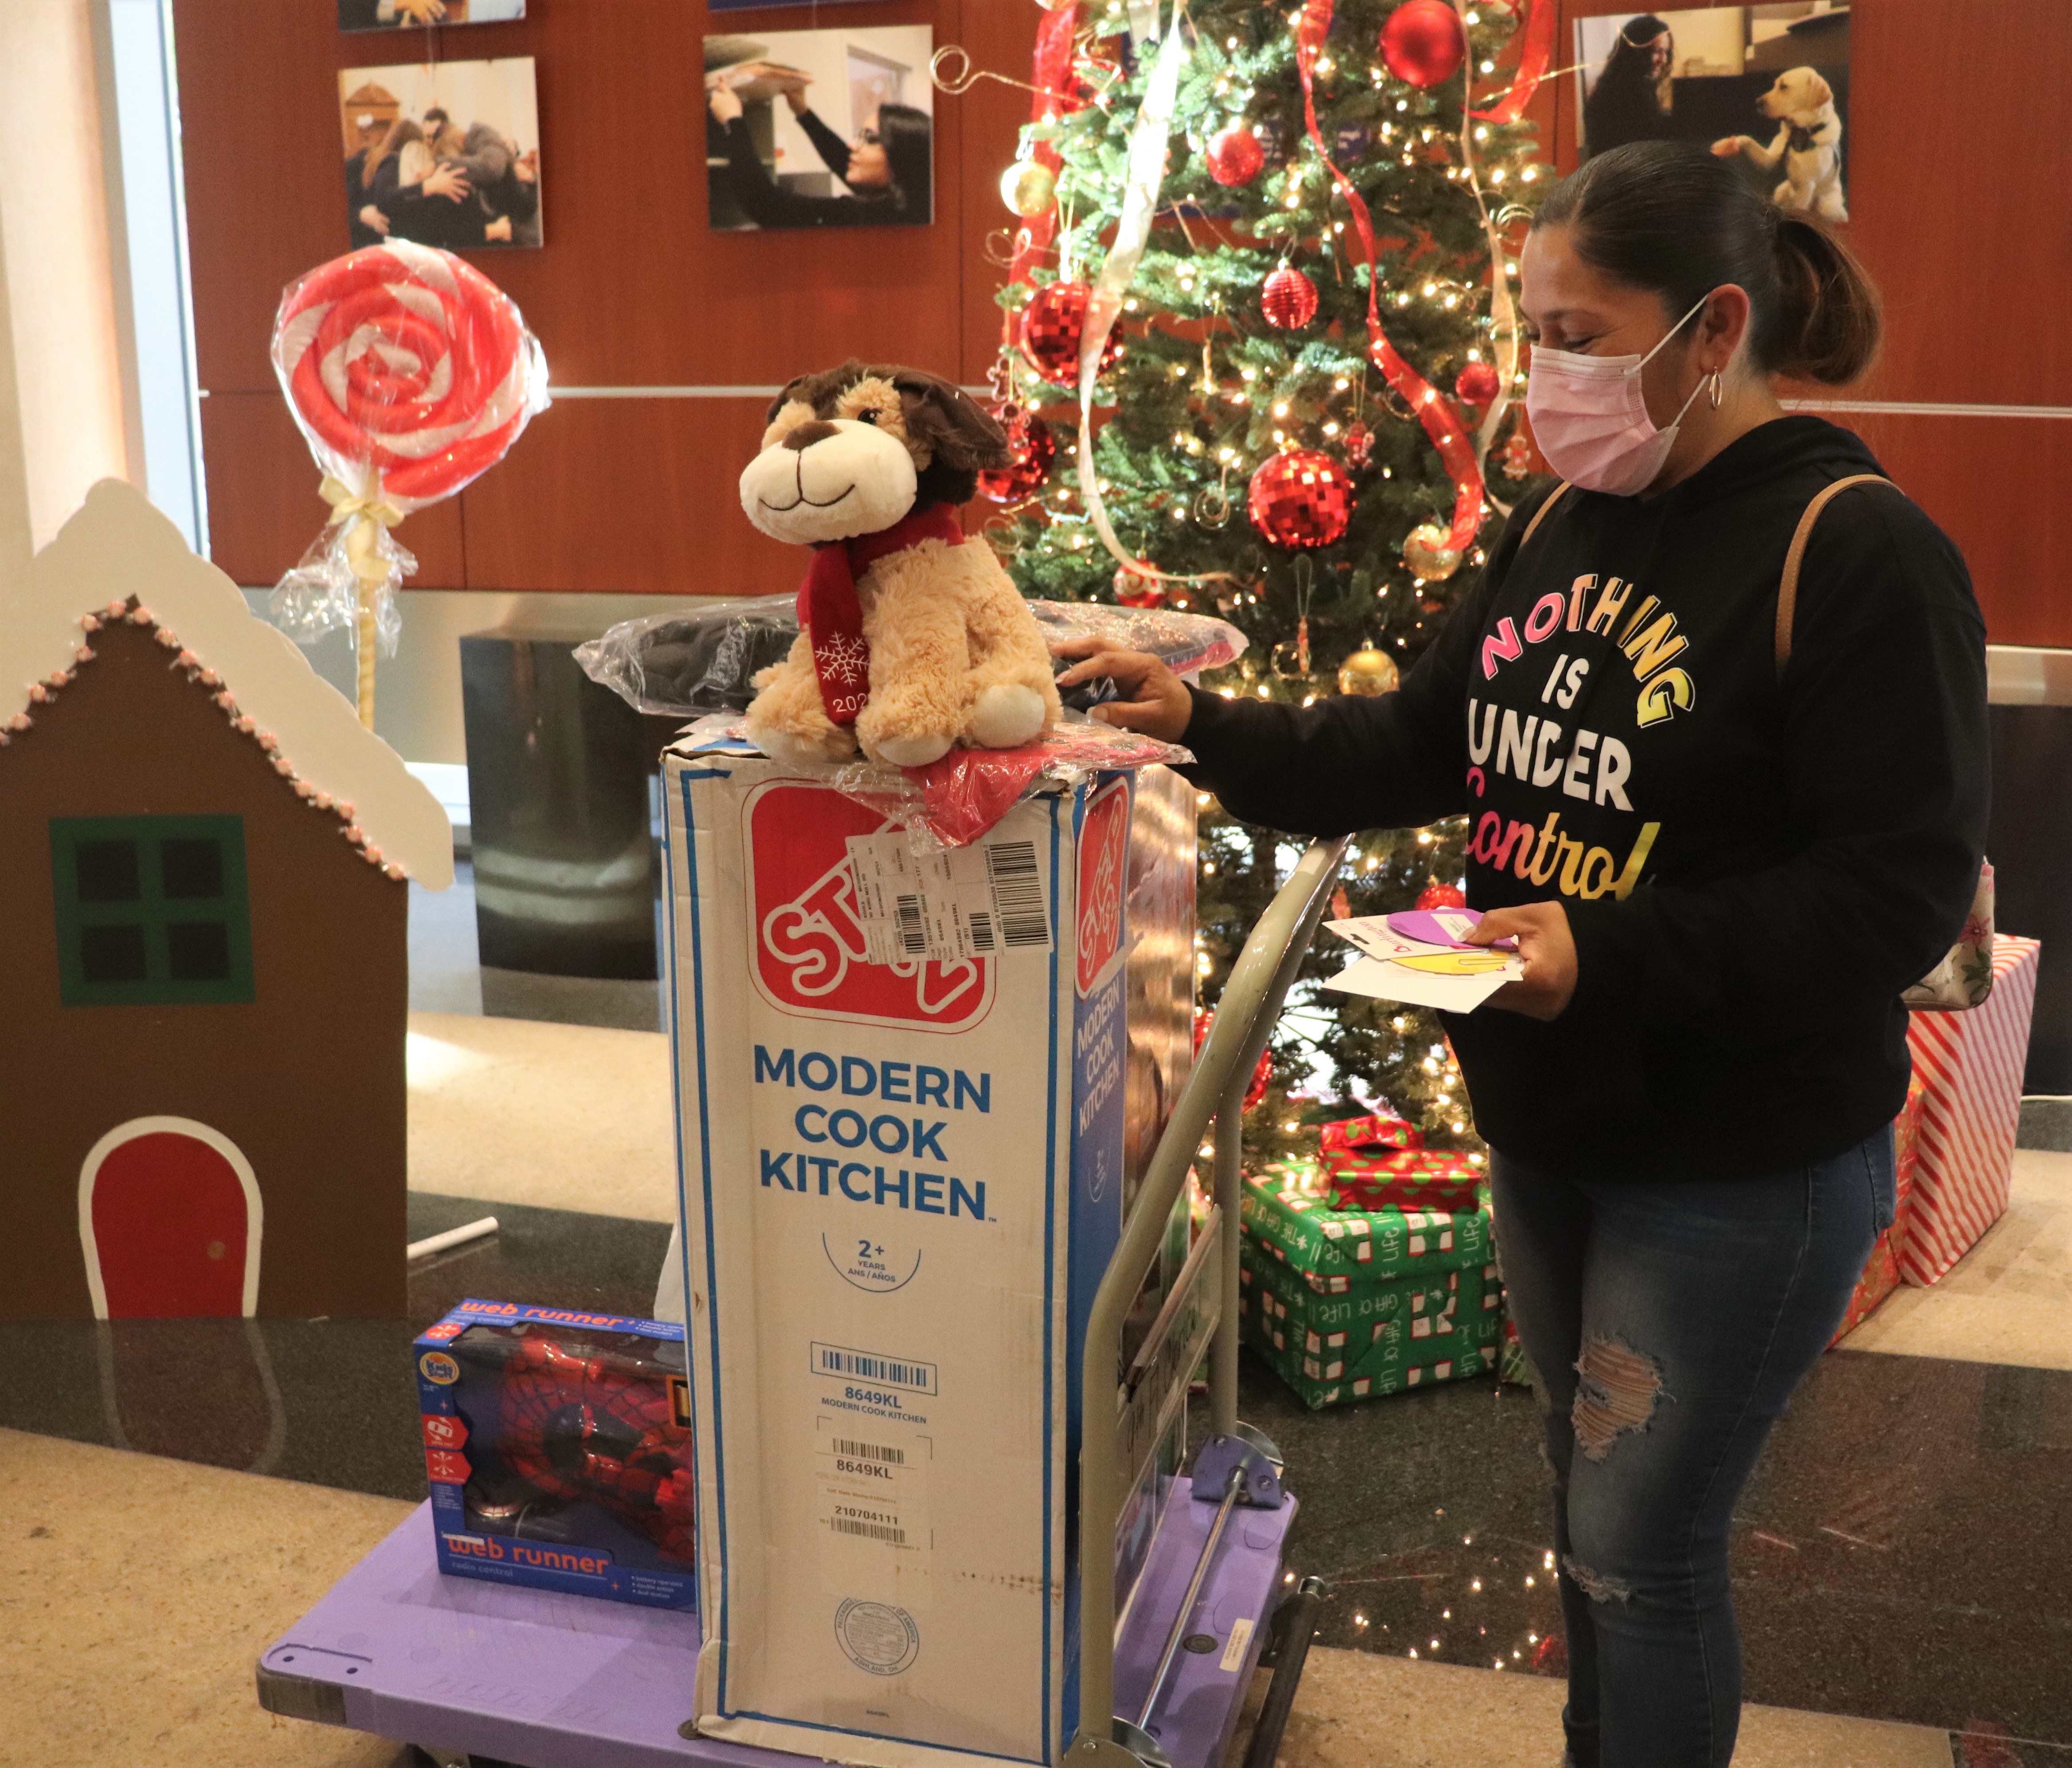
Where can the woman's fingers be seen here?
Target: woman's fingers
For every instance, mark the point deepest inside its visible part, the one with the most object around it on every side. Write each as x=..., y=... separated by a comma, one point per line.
x=1125, y=668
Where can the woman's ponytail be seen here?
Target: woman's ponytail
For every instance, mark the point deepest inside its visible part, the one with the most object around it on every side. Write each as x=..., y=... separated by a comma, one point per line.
x=1827, y=321
x=1674, y=219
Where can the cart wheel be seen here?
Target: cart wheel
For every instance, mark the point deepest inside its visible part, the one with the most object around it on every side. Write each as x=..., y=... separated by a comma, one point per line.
x=1288, y=1633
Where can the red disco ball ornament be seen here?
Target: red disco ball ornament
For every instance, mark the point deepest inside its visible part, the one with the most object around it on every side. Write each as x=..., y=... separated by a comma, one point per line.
x=1436, y=895
x=1476, y=383
x=1301, y=498
x=1031, y=448
x=1051, y=325
x=1289, y=300
x=1423, y=42
x=1236, y=156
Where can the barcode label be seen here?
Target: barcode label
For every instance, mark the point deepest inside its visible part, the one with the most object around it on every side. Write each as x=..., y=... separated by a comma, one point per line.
x=863, y=1451
x=835, y=1359
x=1017, y=893
x=984, y=901
x=875, y=1532
x=874, y=1505
x=913, y=934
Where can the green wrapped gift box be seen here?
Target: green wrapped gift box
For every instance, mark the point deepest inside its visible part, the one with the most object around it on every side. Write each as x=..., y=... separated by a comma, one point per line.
x=1373, y=1338
x=1287, y=1214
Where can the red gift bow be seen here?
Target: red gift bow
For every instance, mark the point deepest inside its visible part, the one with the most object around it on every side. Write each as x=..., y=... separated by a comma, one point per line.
x=1442, y=423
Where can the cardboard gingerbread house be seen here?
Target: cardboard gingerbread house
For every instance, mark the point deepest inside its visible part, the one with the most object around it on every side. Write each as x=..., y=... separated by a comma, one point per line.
x=203, y=867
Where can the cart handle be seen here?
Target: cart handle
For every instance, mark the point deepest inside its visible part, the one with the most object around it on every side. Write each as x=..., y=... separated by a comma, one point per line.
x=1251, y=999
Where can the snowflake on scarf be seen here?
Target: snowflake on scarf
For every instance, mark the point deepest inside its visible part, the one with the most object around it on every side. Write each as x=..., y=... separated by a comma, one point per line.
x=841, y=658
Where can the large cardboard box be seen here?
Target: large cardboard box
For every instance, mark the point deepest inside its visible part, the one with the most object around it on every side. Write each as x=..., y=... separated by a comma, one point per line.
x=914, y=1095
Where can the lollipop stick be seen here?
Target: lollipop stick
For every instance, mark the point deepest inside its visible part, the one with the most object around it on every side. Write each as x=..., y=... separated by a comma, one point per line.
x=367, y=637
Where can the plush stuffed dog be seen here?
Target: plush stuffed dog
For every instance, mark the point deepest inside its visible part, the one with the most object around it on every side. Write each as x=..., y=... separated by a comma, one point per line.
x=1808, y=143
x=911, y=638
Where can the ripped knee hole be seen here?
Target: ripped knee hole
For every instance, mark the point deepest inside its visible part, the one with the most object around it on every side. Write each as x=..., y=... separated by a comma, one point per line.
x=1617, y=1390
x=1594, y=1585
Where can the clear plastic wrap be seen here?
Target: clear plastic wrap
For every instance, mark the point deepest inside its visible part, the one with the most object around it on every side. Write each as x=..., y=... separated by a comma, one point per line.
x=701, y=659
x=410, y=374
x=691, y=660
x=952, y=802
x=1186, y=643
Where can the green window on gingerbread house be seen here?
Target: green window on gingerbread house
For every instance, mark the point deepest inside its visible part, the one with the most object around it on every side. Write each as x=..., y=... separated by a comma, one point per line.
x=151, y=910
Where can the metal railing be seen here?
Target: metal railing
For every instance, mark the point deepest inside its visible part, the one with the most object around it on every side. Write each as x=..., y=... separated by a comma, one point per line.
x=1252, y=1001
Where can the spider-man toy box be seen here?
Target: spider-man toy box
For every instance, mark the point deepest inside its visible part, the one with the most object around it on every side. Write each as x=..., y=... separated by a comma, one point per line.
x=558, y=1447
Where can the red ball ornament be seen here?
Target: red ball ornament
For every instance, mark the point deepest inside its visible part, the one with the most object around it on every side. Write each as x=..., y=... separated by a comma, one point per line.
x=1031, y=447
x=1134, y=590
x=1477, y=384
x=1301, y=498
x=1236, y=156
x=1436, y=895
x=1289, y=300
x=1423, y=42
x=1051, y=325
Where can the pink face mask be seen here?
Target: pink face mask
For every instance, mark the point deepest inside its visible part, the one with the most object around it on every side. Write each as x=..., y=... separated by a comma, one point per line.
x=1591, y=422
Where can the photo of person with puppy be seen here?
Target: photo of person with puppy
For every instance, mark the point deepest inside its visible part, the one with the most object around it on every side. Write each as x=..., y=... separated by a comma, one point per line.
x=445, y=155
x=1766, y=87
x=819, y=128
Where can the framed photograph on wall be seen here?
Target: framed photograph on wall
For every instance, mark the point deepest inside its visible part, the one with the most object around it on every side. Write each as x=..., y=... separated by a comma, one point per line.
x=1765, y=85
x=446, y=154
x=397, y=14
x=829, y=128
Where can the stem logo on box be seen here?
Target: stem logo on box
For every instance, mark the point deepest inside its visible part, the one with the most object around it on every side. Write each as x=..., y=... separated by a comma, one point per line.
x=809, y=941
x=1103, y=871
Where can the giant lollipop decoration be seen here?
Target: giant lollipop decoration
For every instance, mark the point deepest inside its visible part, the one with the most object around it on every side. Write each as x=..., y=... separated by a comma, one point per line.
x=410, y=374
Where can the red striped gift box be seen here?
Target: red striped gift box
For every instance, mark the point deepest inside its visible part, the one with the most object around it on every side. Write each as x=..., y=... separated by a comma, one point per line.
x=1972, y=1064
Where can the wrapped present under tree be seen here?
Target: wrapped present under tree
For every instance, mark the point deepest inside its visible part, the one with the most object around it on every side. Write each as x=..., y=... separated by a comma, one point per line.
x=1378, y=1160
x=1970, y=1064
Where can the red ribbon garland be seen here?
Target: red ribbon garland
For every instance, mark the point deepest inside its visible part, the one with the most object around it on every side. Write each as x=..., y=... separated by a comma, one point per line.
x=1536, y=50
x=831, y=612
x=1442, y=423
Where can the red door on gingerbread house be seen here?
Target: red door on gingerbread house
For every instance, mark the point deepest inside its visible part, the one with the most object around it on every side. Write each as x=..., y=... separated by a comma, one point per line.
x=169, y=1223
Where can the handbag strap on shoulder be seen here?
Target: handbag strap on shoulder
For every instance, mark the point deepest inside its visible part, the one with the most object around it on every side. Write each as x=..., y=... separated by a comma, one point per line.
x=1539, y=515
x=1787, y=588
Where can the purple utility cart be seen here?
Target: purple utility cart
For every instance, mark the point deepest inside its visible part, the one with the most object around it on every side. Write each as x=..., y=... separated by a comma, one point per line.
x=477, y=1673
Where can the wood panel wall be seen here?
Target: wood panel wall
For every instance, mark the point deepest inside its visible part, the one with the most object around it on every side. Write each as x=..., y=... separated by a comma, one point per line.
x=1973, y=252
x=1968, y=235
x=631, y=289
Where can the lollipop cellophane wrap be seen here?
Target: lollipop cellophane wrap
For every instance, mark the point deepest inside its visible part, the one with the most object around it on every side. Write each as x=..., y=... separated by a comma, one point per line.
x=410, y=374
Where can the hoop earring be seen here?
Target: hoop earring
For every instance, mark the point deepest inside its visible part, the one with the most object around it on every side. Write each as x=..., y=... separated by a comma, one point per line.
x=1718, y=393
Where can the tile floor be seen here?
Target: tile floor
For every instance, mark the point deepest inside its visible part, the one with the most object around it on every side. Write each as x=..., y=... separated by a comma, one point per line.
x=173, y=1494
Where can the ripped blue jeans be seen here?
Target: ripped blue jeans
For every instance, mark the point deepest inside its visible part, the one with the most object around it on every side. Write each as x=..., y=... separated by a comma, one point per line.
x=1670, y=1320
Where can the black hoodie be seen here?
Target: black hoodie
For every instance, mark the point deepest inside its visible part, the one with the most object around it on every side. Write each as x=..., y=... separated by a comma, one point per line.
x=1752, y=870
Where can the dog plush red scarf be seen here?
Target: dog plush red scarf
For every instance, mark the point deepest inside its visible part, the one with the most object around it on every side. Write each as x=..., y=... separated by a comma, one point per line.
x=829, y=609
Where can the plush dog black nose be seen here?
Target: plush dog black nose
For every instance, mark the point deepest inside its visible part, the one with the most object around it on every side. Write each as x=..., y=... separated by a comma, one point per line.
x=807, y=434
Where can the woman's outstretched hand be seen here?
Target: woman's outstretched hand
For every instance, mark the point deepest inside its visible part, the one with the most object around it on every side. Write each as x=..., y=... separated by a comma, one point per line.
x=1153, y=700
x=1549, y=950
x=723, y=102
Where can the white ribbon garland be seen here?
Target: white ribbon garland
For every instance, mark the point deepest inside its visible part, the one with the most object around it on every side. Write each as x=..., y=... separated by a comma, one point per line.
x=1145, y=178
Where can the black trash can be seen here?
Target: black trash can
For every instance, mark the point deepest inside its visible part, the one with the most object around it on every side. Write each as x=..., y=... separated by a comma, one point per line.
x=567, y=869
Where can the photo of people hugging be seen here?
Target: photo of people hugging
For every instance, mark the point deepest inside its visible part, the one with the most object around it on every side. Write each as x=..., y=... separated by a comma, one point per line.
x=445, y=155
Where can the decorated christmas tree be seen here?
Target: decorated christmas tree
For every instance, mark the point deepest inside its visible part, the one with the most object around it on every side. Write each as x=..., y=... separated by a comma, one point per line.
x=1297, y=228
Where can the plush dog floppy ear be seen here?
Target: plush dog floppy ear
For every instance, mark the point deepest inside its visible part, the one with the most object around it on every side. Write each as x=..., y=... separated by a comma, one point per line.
x=961, y=439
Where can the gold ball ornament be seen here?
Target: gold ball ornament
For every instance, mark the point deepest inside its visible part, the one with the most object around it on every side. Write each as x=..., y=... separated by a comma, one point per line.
x=1429, y=555
x=1029, y=189
x=1368, y=672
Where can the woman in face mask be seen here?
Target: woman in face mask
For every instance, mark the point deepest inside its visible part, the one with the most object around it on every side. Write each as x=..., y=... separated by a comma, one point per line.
x=1726, y=832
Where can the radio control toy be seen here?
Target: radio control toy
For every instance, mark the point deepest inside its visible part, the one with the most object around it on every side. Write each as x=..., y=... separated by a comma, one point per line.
x=558, y=1447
